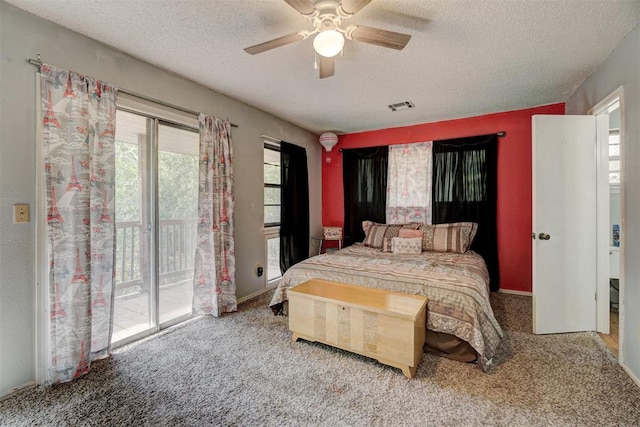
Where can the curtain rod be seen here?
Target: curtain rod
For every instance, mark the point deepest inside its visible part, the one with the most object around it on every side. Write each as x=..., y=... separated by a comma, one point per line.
x=500, y=134
x=38, y=63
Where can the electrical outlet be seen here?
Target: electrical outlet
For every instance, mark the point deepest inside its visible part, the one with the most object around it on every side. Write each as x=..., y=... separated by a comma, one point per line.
x=259, y=270
x=21, y=213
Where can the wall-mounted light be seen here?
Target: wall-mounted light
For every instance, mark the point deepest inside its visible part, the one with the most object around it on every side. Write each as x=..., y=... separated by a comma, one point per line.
x=328, y=43
x=328, y=140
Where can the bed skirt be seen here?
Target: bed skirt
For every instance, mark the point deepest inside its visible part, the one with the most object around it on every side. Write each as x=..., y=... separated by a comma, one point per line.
x=449, y=346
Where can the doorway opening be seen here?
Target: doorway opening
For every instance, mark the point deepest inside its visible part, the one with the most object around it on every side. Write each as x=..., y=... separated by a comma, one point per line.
x=609, y=114
x=156, y=223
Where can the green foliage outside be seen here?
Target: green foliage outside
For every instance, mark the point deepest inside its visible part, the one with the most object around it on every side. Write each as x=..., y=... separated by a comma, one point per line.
x=127, y=183
x=177, y=184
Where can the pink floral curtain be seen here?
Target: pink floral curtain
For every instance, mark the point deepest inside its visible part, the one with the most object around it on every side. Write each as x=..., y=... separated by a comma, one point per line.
x=78, y=119
x=409, y=183
x=215, y=264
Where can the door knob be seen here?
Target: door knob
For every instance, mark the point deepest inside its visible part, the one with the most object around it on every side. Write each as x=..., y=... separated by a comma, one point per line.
x=543, y=236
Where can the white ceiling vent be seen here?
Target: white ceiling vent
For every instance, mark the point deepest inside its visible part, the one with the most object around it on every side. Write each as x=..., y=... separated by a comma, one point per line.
x=401, y=106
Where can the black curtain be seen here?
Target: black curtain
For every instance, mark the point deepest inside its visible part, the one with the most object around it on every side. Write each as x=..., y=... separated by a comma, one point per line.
x=364, y=172
x=465, y=178
x=294, y=202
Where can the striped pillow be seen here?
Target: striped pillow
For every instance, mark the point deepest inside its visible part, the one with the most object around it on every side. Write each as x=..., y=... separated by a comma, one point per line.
x=375, y=233
x=455, y=237
x=386, y=244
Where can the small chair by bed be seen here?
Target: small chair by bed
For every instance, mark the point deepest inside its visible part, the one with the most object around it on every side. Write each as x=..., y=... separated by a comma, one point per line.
x=329, y=234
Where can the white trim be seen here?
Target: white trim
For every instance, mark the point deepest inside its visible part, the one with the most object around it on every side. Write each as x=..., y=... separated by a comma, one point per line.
x=606, y=102
x=631, y=374
x=254, y=295
x=271, y=141
x=162, y=112
x=271, y=231
x=273, y=283
x=16, y=390
x=514, y=292
x=600, y=108
x=603, y=232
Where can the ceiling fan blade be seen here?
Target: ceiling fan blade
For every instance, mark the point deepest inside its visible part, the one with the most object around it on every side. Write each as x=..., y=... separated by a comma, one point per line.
x=353, y=6
x=327, y=66
x=272, y=44
x=379, y=37
x=305, y=7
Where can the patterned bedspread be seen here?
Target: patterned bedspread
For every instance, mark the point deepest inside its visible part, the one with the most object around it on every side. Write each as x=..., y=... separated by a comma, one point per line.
x=456, y=286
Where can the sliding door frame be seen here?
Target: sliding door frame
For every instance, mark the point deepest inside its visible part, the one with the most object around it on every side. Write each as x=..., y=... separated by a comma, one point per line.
x=150, y=206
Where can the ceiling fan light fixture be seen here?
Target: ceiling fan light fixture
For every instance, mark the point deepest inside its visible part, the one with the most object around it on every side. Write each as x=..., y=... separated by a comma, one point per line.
x=328, y=43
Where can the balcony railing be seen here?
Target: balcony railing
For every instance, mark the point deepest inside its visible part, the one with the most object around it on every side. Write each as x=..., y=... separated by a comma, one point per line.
x=177, y=242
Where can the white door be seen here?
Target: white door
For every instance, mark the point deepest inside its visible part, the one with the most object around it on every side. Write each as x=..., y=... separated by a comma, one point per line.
x=564, y=224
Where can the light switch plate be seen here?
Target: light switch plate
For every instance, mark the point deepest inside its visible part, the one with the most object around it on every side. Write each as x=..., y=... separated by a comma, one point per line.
x=21, y=213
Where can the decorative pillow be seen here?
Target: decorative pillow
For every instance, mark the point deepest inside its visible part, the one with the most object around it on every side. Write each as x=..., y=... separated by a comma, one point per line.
x=375, y=233
x=455, y=237
x=366, y=225
x=386, y=244
x=407, y=232
x=406, y=245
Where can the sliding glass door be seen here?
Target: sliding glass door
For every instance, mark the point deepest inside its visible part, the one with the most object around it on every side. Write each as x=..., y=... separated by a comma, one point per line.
x=156, y=218
x=178, y=213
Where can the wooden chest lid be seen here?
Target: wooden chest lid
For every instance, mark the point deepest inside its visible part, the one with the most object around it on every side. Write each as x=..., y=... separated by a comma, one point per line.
x=391, y=303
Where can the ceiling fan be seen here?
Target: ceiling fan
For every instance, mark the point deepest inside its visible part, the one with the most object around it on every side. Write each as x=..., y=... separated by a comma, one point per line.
x=326, y=17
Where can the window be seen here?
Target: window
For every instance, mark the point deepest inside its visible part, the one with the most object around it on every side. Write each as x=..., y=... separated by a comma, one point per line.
x=273, y=257
x=272, y=211
x=614, y=157
x=271, y=185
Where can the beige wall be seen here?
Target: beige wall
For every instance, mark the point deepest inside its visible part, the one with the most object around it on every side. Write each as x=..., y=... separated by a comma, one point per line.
x=22, y=36
x=622, y=68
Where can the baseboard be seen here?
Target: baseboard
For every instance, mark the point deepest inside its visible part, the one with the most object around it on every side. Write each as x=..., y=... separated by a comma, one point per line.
x=631, y=374
x=510, y=291
x=16, y=390
x=255, y=294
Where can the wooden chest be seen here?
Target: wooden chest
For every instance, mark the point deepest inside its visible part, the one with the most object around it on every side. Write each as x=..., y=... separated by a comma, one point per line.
x=387, y=326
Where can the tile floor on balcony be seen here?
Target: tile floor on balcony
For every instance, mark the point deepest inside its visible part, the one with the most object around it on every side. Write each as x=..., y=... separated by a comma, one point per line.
x=131, y=314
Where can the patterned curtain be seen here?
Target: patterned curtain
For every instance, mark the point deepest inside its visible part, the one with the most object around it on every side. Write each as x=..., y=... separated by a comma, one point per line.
x=78, y=118
x=215, y=265
x=409, y=183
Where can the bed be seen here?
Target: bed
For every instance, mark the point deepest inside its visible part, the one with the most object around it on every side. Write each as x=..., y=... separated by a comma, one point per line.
x=459, y=314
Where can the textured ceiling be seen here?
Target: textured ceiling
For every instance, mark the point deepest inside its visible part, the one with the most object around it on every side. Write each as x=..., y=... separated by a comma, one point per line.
x=465, y=57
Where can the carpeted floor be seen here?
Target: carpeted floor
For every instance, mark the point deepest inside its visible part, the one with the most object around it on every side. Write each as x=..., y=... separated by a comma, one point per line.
x=242, y=369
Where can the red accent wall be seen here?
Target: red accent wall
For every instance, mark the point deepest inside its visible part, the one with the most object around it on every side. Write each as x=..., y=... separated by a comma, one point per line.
x=514, y=178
